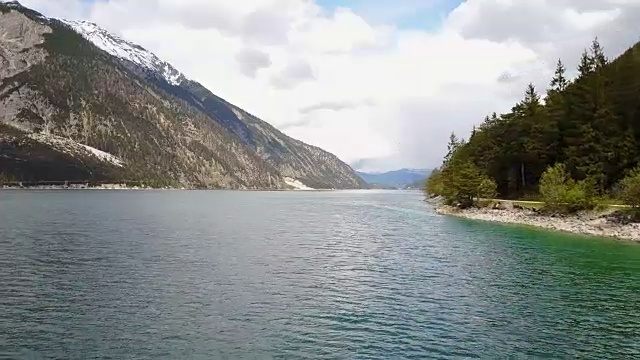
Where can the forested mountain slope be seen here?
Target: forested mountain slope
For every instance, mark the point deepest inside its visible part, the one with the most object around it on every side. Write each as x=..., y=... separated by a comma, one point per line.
x=75, y=92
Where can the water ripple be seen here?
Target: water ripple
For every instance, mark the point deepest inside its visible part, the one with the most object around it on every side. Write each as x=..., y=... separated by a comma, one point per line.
x=361, y=275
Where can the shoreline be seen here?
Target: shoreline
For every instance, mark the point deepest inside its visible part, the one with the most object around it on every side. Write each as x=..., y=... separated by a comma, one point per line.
x=81, y=187
x=137, y=188
x=598, y=225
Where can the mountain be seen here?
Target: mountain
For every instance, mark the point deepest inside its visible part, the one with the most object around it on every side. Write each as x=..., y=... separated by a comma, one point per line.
x=79, y=103
x=396, y=179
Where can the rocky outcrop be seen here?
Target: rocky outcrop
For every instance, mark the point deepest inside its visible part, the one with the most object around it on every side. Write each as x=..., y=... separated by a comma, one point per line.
x=19, y=36
x=33, y=157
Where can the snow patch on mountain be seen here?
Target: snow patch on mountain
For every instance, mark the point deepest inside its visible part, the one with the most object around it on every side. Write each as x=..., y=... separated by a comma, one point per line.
x=104, y=156
x=125, y=50
x=296, y=184
x=73, y=148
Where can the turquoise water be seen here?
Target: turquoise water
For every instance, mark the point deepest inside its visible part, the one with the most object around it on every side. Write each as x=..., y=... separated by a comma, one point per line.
x=328, y=275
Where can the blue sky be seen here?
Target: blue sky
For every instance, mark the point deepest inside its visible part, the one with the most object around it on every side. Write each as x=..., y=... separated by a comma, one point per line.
x=405, y=14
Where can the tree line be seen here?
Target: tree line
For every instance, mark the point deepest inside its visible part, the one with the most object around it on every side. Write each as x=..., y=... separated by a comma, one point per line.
x=582, y=136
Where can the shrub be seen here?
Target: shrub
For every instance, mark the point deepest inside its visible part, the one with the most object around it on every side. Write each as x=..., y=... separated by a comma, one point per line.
x=629, y=188
x=554, y=185
x=460, y=182
x=580, y=196
x=561, y=193
x=6, y=179
x=488, y=188
x=434, y=185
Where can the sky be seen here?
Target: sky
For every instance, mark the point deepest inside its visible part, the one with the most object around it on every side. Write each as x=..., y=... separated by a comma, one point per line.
x=380, y=83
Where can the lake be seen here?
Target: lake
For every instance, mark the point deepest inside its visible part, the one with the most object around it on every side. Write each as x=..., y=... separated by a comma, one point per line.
x=326, y=275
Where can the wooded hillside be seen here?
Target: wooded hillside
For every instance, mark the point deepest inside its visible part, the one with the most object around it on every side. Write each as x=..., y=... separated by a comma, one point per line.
x=591, y=125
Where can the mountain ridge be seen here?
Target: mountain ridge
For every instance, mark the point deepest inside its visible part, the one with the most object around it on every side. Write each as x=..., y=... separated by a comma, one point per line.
x=127, y=102
x=125, y=50
x=400, y=178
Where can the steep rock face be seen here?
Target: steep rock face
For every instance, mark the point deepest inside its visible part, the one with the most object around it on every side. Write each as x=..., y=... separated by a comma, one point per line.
x=115, y=97
x=81, y=94
x=292, y=158
x=19, y=36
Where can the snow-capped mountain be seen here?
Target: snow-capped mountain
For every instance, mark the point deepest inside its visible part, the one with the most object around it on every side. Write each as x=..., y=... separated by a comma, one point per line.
x=96, y=107
x=126, y=50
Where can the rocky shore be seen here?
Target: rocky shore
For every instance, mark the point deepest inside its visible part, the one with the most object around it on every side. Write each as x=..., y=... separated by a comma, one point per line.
x=601, y=225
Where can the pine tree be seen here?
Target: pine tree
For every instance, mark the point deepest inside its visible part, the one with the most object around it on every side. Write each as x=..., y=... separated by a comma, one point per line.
x=598, y=58
x=559, y=82
x=531, y=100
x=532, y=162
x=578, y=126
x=587, y=65
x=556, y=112
x=452, y=147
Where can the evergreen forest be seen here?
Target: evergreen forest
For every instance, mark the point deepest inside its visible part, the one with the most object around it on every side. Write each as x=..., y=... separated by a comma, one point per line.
x=582, y=135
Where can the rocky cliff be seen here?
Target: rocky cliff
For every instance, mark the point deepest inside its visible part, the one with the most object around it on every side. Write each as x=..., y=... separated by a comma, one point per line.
x=75, y=97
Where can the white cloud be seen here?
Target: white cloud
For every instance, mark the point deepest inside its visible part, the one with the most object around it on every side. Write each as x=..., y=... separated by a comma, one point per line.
x=343, y=31
x=337, y=105
x=61, y=8
x=294, y=73
x=364, y=90
x=252, y=60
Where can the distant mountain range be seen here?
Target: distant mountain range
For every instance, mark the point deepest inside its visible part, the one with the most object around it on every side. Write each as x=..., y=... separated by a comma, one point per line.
x=403, y=178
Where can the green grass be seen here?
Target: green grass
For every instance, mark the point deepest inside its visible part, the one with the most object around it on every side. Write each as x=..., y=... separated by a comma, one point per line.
x=604, y=204
x=529, y=204
x=611, y=202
